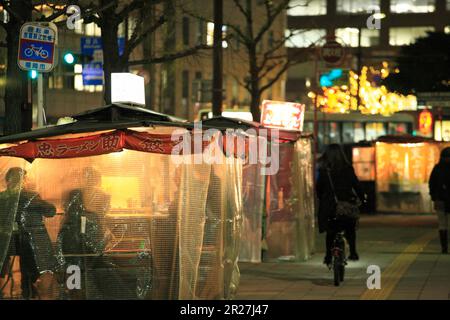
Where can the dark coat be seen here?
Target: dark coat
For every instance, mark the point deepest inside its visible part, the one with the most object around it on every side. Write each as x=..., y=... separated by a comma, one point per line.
x=344, y=181
x=36, y=250
x=72, y=241
x=439, y=184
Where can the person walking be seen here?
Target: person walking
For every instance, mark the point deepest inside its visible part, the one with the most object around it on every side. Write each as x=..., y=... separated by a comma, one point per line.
x=439, y=185
x=34, y=247
x=337, y=181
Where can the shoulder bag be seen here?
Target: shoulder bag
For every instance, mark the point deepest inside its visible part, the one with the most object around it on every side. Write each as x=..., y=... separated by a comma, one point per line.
x=345, y=209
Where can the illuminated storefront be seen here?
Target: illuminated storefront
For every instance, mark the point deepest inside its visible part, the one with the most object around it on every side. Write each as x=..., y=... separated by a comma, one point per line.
x=403, y=168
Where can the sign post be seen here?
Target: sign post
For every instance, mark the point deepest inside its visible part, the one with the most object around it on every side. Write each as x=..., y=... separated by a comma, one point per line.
x=40, y=97
x=37, y=43
x=282, y=115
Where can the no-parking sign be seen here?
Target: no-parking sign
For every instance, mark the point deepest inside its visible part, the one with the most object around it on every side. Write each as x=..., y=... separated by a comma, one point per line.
x=37, y=44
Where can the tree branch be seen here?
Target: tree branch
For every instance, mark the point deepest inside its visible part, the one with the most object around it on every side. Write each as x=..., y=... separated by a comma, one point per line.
x=278, y=75
x=136, y=39
x=241, y=9
x=271, y=17
x=134, y=5
x=170, y=56
x=8, y=9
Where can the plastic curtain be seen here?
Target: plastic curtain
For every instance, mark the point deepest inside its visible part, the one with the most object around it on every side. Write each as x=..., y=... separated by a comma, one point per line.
x=290, y=204
x=123, y=225
x=402, y=174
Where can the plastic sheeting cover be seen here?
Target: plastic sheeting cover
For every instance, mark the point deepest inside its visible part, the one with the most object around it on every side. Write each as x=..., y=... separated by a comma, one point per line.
x=127, y=225
x=290, y=204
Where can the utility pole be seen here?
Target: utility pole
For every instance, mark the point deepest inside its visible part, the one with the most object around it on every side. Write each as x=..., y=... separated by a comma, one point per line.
x=217, y=59
x=358, y=57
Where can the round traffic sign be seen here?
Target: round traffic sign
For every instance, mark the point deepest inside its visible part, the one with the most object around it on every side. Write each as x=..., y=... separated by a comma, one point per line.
x=332, y=52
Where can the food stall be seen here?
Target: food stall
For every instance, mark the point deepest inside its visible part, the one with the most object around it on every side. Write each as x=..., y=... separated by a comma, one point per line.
x=131, y=213
x=278, y=206
x=403, y=167
x=253, y=186
x=290, y=219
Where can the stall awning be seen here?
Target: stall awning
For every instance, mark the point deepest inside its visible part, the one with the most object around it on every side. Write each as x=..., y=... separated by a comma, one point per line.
x=403, y=138
x=222, y=123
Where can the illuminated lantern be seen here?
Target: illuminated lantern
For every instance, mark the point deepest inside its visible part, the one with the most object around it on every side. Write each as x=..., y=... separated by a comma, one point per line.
x=425, y=122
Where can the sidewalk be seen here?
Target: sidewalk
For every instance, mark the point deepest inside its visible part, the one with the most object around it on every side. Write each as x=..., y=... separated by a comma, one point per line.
x=420, y=272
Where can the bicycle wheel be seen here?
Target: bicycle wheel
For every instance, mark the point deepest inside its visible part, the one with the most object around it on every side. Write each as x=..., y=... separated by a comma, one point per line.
x=28, y=52
x=336, y=272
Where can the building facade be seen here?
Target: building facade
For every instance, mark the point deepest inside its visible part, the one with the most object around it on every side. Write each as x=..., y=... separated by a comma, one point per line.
x=181, y=87
x=368, y=42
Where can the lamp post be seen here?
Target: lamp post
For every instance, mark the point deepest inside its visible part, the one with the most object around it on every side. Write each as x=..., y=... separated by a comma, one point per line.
x=217, y=59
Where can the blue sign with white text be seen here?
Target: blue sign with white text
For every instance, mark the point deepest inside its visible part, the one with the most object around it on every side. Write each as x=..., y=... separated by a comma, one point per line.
x=36, y=47
x=93, y=71
x=93, y=74
x=91, y=44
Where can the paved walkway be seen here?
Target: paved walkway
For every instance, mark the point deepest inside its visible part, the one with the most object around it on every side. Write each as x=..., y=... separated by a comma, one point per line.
x=406, y=248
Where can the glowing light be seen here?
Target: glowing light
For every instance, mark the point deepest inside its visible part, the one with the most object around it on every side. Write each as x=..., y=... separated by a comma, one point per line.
x=69, y=58
x=379, y=15
x=373, y=99
x=311, y=95
x=33, y=74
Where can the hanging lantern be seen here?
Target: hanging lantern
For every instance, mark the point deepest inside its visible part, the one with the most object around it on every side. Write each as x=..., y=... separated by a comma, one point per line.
x=425, y=122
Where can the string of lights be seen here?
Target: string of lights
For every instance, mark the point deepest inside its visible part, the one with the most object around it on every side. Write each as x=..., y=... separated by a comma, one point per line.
x=373, y=97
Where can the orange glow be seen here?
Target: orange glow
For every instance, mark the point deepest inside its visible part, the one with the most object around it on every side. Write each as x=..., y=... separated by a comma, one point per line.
x=285, y=115
x=425, y=122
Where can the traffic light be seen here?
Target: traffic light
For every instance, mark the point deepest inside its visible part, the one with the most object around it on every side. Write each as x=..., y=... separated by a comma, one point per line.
x=32, y=74
x=69, y=58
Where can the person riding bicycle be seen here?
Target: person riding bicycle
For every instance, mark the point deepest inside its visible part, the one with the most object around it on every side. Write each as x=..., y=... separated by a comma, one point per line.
x=336, y=178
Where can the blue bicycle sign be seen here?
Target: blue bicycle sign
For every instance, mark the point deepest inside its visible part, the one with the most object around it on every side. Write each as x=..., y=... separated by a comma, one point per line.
x=37, y=51
x=37, y=47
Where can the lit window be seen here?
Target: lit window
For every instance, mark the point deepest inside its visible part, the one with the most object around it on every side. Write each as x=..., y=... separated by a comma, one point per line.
x=78, y=68
x=78, y=81
x=374, y=130
x=412, y=6
x=406, y=36
x=90, y=29
x=210, y=35
x=447, y=29
x=369, y=37
x=307, y=7
x=304, y=38
x=357, y=6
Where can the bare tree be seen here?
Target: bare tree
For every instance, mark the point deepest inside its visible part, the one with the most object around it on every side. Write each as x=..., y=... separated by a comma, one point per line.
x=267, y=65
x=17, y=109
x=249, y=27
x=109, y=14
x=16, y=84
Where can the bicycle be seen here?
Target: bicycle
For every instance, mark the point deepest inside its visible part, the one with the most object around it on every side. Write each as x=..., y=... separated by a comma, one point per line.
x=338, y=258
x=38, y=51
